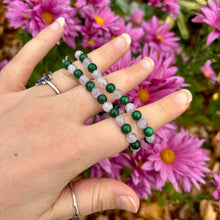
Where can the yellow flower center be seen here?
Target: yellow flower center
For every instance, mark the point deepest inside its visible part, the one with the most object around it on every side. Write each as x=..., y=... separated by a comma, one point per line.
x=91, y=42
x=140, y=163
x=113, y=37
x=160, y=38
x=215, y=96
x=158, y=53
x=138, y=21
x=207, y=74
x=47, y=17
x=25, y=15
x=143, y=95
x=99, y=20
x=167, y=156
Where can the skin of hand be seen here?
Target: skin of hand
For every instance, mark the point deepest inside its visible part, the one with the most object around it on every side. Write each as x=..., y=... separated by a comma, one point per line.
x=44, y=142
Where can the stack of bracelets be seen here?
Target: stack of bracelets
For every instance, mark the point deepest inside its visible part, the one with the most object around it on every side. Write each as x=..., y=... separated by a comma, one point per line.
x=114, y=112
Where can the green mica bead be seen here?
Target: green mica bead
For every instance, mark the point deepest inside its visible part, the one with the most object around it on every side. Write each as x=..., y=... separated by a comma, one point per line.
x=92, y=67
x=124, y=100
x=90, y=85
x=66, y=63
x=148, y=131
x=126, y=128
x=82, y=57
x=136, y=146
x=77, y=73
x=110, y=88
x=114, y=112
x=136, y=115
x=102, y=99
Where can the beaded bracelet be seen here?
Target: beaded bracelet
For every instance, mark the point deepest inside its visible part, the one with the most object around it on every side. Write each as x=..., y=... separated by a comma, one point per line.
x=124, y=100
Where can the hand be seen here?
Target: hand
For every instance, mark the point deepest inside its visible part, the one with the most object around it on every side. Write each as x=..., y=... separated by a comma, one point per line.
x=44, y=142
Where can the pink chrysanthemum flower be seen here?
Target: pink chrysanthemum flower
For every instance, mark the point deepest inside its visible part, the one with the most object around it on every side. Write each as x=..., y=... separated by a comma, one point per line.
x=3, y=63
x=211, y=17
x=216, y=181
x=136, y=17
x=159, y=36
x=98, y=3
x=18, y=14
x=179, y=160
x=171, y=6
x=102, y=18
x=208, y=72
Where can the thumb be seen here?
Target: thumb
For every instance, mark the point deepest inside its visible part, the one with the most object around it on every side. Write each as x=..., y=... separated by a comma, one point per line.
x=92, y=195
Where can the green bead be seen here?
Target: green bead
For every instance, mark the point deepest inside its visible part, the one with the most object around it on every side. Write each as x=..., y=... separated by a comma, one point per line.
x=77, y=73
x=110, y=88
x=136, y=146
x=82, y=57
x=148, y=131
x=102, y=99
x=124, y=100
x=126, y=128
x=90, y=85
x=136, y=115
x=114, y=112
x=66, y=63
x=92, y=67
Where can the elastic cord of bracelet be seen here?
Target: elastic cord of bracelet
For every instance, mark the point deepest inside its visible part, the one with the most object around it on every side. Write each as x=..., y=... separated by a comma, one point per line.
x=131, y=137
x=124, y=100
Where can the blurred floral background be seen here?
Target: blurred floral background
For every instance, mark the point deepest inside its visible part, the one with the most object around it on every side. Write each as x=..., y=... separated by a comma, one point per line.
x=177, y=177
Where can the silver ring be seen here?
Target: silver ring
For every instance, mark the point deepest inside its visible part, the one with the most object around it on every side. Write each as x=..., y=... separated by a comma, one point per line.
x=45, y=79
x=76, y=214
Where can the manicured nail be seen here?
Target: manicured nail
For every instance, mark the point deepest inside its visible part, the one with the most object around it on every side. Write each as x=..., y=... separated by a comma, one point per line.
x=183, y=97
x=58, y=23
x=147, y=62
x=123, y=40
x=127, y=203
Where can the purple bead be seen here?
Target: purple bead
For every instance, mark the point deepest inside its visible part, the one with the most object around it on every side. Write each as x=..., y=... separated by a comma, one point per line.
x=150, y=139
x=71, y=68
x=87, y=61
x=131, y=137
x=96, y=92
x=142, y=123
x=103, y=82
x=117, y=93
x=78, y=53
x=97, y=74
x=83, y=79
x=130, y=107
x=107, y=106
x=119, y=120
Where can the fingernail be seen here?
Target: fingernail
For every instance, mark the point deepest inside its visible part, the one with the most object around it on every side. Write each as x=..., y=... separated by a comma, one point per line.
x=127, y=203
x=147, y=62
x=123, y=40
x=183, y=97
x=58, y=23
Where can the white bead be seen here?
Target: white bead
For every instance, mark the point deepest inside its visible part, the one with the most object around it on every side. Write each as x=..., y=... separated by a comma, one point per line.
x=130, y=107
x=105, y=116
x=103, y=82
x=87, y=61
x=107, y=106
x=142, y=123
x=71, y=68
x=97, y=74
x=117, y=93
x=83, y=79
x=131, y=137
x=96, y=92
x=150, y=139
x=119, y=120
x=121, y=111
x=78, y=53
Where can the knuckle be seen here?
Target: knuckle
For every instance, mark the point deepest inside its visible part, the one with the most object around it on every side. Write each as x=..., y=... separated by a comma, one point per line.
x=97, y=197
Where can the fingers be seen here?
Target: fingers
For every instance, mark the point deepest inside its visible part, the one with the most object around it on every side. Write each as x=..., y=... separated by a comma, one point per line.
x=126, y=79
x=104, y=57
x=93, y=195
x=110, y=138
x=16, y=74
